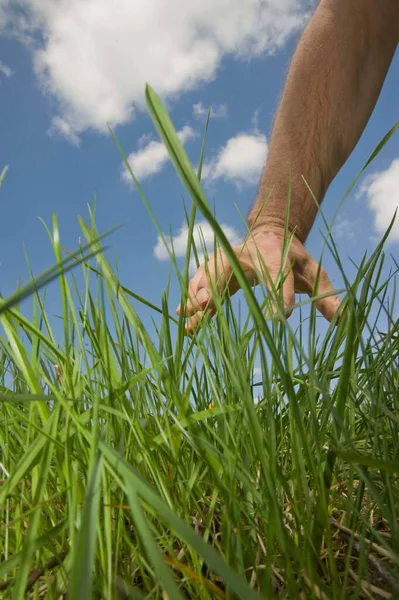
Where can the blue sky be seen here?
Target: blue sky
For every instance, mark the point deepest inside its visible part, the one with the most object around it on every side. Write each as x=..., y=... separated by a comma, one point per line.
x=67, y=69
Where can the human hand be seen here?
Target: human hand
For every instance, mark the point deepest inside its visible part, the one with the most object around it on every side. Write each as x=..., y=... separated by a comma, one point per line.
x=262, y=249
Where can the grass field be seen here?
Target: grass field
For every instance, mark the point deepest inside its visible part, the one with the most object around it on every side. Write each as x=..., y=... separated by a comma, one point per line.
x=138, y=466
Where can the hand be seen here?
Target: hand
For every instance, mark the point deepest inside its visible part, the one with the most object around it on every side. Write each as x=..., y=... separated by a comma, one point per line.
x=265, y=247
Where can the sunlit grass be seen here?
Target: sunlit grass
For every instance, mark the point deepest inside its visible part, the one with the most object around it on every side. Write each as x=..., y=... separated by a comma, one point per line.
x=138, y=465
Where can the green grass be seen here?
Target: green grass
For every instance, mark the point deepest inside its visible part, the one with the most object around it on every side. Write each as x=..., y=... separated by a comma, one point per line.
x=139, y=466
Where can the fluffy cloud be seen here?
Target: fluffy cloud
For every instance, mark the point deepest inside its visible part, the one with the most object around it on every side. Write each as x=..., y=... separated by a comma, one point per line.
x=240, y=161
x=203, y=235
x=382, y=193
x=5, y=69
x=218, y=111
x=152, y=157
x=94, y=58
x=344, y=228
x=61, y=128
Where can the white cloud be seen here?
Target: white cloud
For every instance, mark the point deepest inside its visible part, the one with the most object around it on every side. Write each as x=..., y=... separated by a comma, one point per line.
x=255, y=119
x=202, y=234
x=240, y=161
x=152, y=156
x=60, y=127
x=144, y=139
x=5, y=69
x=344, y=228
x=218, y=111
x=94, y=58
x=382, y=193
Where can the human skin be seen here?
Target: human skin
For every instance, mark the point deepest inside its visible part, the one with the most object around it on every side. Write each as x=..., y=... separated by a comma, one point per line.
x=332, y=86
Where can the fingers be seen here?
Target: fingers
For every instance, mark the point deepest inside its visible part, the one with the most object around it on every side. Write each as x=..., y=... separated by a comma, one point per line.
x=198, y=295
x=301, y=274
x=194, y=322
x=217, y=276
x=210, y=279
x=327, y=306
x=288, y=289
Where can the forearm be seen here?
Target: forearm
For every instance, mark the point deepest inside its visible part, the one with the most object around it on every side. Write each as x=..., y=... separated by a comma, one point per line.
x=333, y=84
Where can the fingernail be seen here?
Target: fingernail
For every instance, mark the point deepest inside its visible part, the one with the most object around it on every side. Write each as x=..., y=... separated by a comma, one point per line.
x=202, y=296
x=178, y=310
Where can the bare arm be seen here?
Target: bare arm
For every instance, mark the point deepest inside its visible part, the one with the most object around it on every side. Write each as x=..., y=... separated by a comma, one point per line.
x=333, y=84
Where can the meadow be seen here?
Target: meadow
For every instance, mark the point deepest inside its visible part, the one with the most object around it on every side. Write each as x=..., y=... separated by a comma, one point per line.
x=153, y=466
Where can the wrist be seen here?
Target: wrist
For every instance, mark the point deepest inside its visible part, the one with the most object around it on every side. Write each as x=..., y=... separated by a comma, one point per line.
x=262, y=234
x=267, y=224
